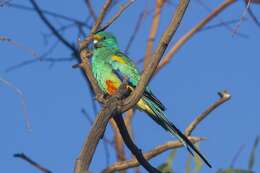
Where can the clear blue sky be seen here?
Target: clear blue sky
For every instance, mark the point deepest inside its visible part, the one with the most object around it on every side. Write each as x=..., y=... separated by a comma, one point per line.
x=210, y=62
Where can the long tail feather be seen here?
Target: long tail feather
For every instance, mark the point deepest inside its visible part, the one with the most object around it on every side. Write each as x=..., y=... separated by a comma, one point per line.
x=159, y=116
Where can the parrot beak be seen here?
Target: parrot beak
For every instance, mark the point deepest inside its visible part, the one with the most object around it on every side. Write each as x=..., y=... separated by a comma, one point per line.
x=96, y=38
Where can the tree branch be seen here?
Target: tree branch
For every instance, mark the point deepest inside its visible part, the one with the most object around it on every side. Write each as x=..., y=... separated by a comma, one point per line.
x=91, y=10
x=52, y=28
x=153, y=30
x=194, y=30
x=149, y=70
x=131, y=146
x=33, y=163
x=148, y=155
x=122, y=9
x=224, y=96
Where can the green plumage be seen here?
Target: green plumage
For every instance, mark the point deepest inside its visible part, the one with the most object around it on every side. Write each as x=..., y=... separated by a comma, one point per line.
x=110, y=66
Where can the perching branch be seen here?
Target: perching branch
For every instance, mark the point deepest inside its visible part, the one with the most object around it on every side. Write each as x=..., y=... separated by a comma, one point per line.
x=224, y=96
x=149, y=70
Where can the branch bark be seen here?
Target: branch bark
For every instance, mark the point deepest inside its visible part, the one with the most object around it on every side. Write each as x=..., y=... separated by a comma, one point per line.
x=193, y=31
x=148, y=155
x=149, y=70
x=153, y=30
x=224, y=96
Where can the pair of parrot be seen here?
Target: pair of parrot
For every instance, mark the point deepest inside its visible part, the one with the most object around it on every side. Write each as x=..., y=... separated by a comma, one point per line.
x=110, y=67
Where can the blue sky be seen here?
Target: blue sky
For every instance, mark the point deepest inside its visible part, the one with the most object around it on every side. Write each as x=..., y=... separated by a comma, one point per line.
x=211, y=61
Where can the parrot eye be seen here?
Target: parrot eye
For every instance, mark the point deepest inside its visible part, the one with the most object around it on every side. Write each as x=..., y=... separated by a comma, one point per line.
x=95, y=41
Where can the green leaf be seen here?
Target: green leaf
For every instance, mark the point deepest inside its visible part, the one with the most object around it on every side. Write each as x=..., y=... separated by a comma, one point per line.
x=234, y=170
x=188, y=164
x=252, y=154
x=167, y=166
x=198, y=163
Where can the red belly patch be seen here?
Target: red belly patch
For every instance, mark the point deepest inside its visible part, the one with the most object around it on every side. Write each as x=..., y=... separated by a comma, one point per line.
x=111, y=87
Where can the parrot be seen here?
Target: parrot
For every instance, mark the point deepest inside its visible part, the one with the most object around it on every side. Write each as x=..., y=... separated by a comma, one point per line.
x=110, y=66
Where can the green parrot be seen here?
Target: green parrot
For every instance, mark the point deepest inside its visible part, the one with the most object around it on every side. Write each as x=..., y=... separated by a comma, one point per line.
x=110, y=66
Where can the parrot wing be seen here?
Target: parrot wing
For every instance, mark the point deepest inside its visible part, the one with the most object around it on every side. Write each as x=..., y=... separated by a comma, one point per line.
x=124, y=67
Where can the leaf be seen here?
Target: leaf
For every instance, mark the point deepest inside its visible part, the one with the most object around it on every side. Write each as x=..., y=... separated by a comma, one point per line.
x=188, y=164
x=198, y=163
x=167, y=166
x=234, y=170
x=252, y=154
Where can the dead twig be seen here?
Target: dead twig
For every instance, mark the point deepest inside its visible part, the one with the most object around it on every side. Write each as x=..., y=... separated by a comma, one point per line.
x=122, y=9
x=91, y=9
x=148, y=155
x=192, y=32
x=131, y=146
x=138, y=24
x=23, y=102
x=153, y=30
x=224, y=96
x=33, y=163
x=20, y=46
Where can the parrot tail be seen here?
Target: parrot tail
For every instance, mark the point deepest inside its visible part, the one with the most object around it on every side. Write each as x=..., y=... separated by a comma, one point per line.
x=159, y=117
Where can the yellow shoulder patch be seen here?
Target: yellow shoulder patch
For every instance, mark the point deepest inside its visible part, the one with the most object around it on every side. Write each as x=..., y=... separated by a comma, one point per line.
x=118, y=59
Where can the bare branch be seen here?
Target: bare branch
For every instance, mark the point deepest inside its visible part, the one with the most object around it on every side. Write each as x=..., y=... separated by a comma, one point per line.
x=250, y=12
x=242, y=18
x=101, y=16
x=149, y=70
x=140, y=19
x=47, y=12
x=122, y=9
x=97, y=130
x=33, y=163
x=224, y=96
x=52, y=28
x=91, y=9
x=153, y=31
x=148, y=155
x=194, y=30
x=131, y=146
x=119, y=145
x=20, y=46
x=23, y=101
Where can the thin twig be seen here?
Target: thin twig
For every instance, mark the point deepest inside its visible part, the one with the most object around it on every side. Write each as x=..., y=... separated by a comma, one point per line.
x=91, y=9
x=138, y=24
x=47, y=12
x=31, y=61
x=33, y=163
x=23, y=102
x=52, y=28
x=193, y=31
x=122, y=9
x=242, y=18
x=20, y=46
x=153, y=31
x=4, y=2
x=149, y=70
x=224, y=96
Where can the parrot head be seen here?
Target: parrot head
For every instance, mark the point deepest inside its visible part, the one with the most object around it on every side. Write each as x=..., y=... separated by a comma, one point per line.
x=104, y=39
